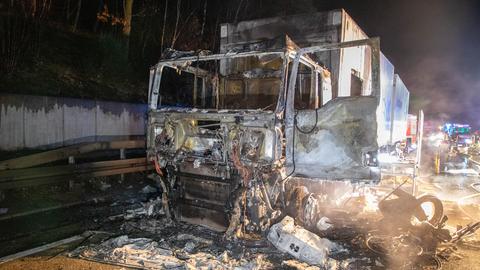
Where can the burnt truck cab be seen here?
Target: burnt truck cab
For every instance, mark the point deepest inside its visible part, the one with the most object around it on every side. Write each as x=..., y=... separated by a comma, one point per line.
x=231, y=135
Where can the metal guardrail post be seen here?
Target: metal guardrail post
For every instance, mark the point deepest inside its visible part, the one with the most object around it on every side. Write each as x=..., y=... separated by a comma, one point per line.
x=71, y=182
x=122, y=156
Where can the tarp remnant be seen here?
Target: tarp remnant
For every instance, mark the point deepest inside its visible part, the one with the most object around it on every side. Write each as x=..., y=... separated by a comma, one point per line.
x=300, y=243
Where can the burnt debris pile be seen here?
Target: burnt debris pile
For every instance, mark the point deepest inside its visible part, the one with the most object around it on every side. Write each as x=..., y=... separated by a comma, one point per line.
x=368, y=230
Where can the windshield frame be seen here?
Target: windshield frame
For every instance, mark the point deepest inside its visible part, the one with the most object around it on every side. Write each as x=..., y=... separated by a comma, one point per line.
x=186, y=64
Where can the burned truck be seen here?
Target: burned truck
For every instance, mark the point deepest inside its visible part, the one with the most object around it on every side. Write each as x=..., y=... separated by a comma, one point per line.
x=290, y=106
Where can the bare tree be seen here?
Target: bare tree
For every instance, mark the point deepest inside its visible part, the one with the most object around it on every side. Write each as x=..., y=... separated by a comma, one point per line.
x=67, y=11
x=127, y=8
x=164, y=24
x=20, y=31
x=204, y=17
x=238, y=10
x=174, y=38
x=77, y=16
x=180, y=30
x=215, y=32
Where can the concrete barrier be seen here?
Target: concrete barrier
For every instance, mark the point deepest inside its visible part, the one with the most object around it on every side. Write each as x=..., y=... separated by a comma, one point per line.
x=40, y=122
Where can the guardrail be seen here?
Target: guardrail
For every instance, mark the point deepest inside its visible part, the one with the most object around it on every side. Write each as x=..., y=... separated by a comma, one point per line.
x=21, y=172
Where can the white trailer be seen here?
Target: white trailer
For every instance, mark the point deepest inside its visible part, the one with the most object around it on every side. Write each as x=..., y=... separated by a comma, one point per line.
x=350, y=67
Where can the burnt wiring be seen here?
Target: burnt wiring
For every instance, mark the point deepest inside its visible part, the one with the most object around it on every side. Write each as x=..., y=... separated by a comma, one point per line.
x=244, y=172
x=293, y=143
x=239, y=208
x=284, y=180
x=264, y=192
x=309, y=131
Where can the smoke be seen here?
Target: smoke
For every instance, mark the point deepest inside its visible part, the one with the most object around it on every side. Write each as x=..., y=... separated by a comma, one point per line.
x=444, y=91
x=433, y=45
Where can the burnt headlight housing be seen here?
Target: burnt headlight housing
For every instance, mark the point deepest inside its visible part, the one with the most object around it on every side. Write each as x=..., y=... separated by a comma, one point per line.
x=370, y=159
x=252, y=142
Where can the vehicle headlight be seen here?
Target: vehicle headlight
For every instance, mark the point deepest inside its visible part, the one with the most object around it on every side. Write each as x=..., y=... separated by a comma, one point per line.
x=436, y=136
x=251, y=144
x=164, y=137
x=386, y=158
x=157, y=130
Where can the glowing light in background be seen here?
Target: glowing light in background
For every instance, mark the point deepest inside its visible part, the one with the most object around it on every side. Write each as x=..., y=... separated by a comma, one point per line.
x=386, y=158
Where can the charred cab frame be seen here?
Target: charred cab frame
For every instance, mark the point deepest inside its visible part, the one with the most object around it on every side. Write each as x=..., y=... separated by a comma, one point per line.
x=228, y=169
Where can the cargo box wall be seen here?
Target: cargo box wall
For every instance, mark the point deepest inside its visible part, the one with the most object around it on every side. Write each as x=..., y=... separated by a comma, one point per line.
x=350, y=68
x=400, y=110
x=354, y=63
x=384, y=109
x=317, y=28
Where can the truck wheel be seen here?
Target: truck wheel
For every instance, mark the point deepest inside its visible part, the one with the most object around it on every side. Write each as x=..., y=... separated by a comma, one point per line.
x=435, y=216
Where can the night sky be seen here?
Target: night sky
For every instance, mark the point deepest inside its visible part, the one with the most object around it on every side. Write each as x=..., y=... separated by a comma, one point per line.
x=435, y=47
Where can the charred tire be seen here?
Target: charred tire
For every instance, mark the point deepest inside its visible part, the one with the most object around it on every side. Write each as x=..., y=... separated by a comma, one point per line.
x=437, y=204
x=296, y=201
x=385, y=245
x=429, y=262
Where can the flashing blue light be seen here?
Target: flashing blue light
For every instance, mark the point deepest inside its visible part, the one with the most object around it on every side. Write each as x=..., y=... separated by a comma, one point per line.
x=454, y=129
